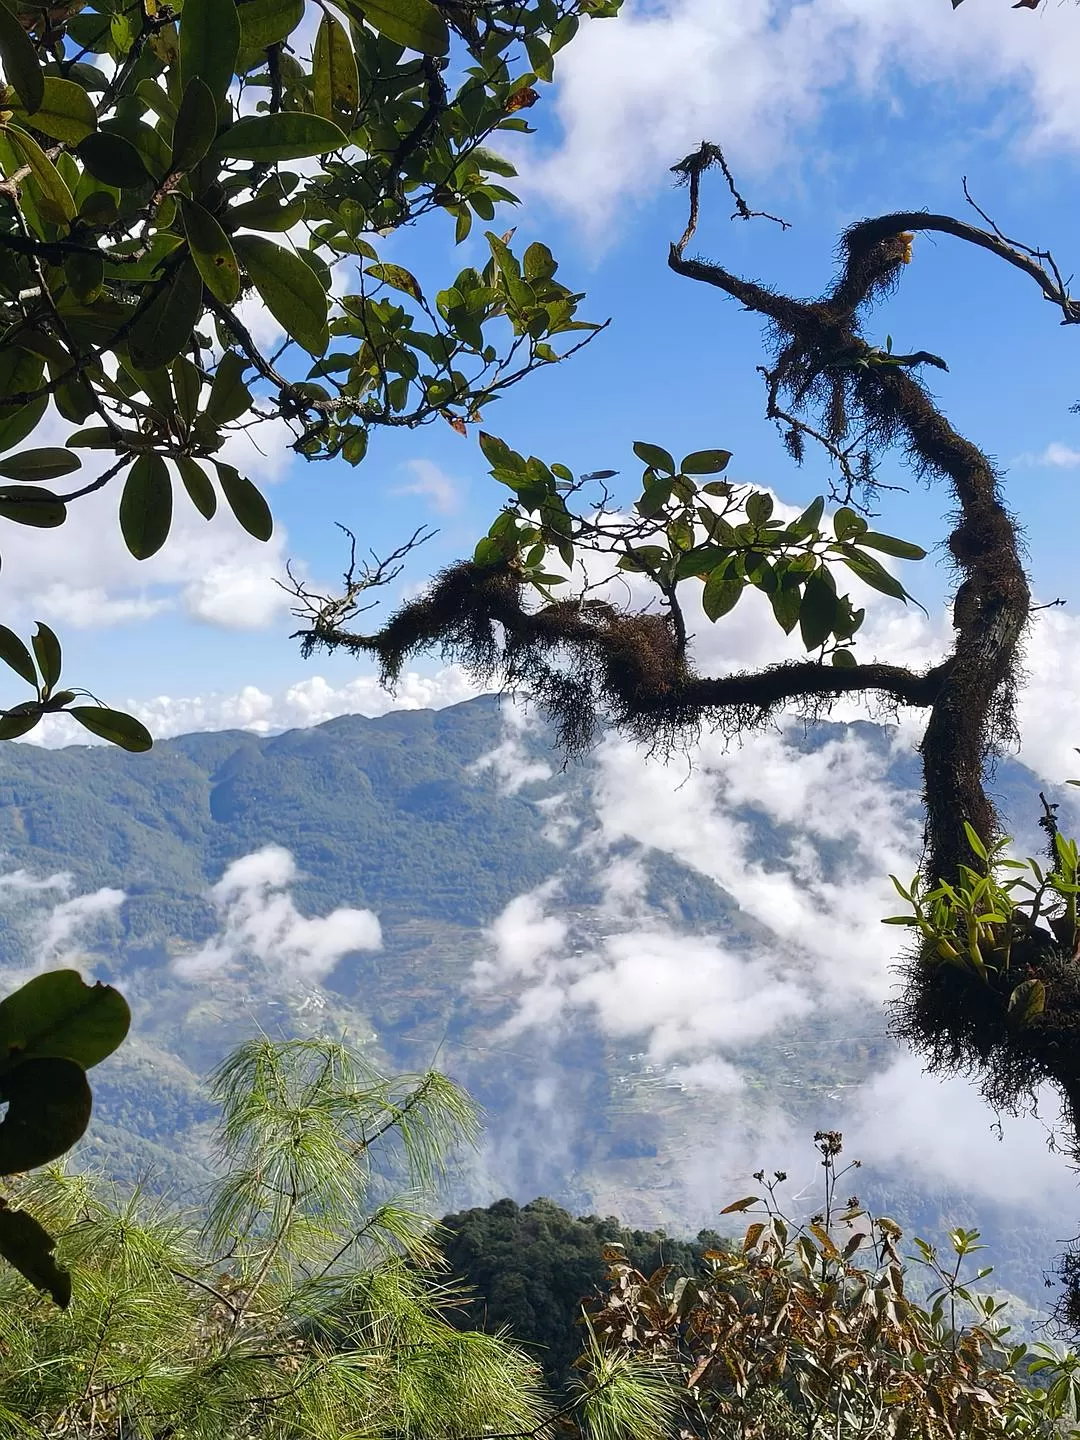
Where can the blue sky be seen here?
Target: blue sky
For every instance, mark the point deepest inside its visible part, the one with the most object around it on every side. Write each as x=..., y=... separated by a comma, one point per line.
x=830, y=110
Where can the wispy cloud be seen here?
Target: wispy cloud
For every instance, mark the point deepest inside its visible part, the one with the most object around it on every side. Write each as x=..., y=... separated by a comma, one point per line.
x=433, y=484
x=759, y=74
x=261, y=925
x=1056, y=456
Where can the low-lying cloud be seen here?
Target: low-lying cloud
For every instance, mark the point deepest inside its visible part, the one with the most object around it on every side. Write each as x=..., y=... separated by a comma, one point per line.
x=261, y=926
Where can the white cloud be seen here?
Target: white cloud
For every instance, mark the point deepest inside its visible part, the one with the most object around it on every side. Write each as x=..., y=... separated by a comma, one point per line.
x=434, y=483
x=1056, y=455
x=940, y=1132
x=68, y=919
x=21, y=882
x=757, y=75
x=260, y=923
x=309, y=702
x=510, y=761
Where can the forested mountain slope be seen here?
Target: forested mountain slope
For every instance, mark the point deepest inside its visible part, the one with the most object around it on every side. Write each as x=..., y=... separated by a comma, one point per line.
x=491, y=890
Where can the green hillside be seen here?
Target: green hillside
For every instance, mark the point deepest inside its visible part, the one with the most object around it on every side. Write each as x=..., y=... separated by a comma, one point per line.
x=393, y=815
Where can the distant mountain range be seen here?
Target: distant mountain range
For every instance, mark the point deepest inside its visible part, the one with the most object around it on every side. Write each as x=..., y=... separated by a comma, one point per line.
x=416, y=817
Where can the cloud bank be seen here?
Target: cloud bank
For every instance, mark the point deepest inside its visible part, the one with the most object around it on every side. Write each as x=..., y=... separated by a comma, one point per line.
x=261, y=924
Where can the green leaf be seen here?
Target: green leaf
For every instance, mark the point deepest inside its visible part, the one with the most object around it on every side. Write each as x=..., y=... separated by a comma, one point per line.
x=397, y=277
x=59, y=1015
x=164, y=322
x=114, y=726
x=416, y=24
x=66, y=112
x=229, y=396
x=844, y=660
x=498, y=453
x=187, y=385
x=30, y=505
x=266, y=213
x=198, y=485
x=705, y=462
x=786, y=602
x=335, y=82
x=246, y=503
x=21, y=64
x=655, y=456
x=1027, y=1001
x=808, y=522
x=889, y=545
x=817, y=611
x=209, y=43
x=721, y=594
x=36, y=465
x=28, y=1246
x=85, y=273
x=759, y=507
x=266, y=22
x=16, y=656
x=538, y=262
x=876, y=576
x=212, y=253
x=195, y=126
x=290, y=289
x=54, y=198
x=846, y=523
x=146, y=506
x=291, y=135
x=113, y=160
x=47, y=650
x=48, y=1109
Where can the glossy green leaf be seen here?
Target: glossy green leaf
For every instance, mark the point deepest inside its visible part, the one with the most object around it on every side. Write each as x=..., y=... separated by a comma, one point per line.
x=164, y=322
x=416, y=24
x=705, y=462
x=229, y=396
x=212, y=253
x=786, y=602
x=16, y=656
x=266, y=213
x=114, y=726
x=847, y=523
x=54, y=198
x=187, y=386
x=48, y=1109
x=266, y=22
x=720, y=594
x=28, y=1246
x=871, y=573
x=198, y=485
x=48, y=654
x=66, y=112
x=146, y=506
x=209, y=43
x=246, y=503
x=817, y=612
x=31, y=505
x=21, y=65
x=290, y=290
x=889, y=545
x=195, y=126
x=113, y=160
x=37, y=465
x=19, y=720
x=59, y=1015
x=656, y=456
x=808, y=522
x=290, y=135
x=335, y=82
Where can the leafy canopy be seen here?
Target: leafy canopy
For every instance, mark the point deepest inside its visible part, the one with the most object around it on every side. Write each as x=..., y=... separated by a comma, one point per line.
x=162, y=161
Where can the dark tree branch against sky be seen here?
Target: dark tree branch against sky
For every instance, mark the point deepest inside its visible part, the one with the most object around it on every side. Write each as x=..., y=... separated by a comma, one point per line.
x=993, y=986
